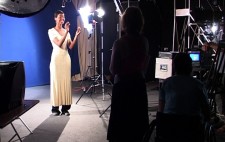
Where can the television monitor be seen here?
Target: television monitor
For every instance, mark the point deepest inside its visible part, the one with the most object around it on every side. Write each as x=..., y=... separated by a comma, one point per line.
x=196, y=58
x=12, y=85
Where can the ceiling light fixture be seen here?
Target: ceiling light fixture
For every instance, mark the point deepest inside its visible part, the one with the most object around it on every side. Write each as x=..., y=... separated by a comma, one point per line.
x=64, y=3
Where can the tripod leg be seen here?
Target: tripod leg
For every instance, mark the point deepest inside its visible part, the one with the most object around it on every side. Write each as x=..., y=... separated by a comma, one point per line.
x=80, y=97
x=85, y=92
x=105, y=110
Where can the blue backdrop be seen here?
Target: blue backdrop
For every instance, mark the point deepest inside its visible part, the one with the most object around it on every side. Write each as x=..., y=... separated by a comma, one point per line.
x=26, y=39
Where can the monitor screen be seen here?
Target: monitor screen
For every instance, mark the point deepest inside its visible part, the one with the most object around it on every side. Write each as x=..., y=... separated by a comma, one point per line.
x=195, y=57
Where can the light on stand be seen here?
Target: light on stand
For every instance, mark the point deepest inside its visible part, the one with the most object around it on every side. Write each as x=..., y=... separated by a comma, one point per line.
x=90, y=20
x=214, y=28
x=213, y=31
x=85, y=12
x=89, y=17
x=64, y=3
x=100, y=12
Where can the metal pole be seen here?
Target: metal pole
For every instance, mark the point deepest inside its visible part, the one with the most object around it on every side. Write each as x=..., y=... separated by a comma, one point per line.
x=189, y=24
x=102, y=71
x=94, y=57
x=174, y=23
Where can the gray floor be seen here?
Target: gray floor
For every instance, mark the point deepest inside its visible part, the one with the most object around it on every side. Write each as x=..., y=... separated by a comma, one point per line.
x=83, y=125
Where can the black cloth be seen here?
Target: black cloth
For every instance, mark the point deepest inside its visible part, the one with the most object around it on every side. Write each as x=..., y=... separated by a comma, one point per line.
x=129, y=110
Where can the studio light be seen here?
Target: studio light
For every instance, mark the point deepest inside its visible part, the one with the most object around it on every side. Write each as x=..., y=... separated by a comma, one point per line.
x=100, y=12
x=89, y=18
x=213, y=31
x=85, y=12
x=214, y=28
x=64, y=3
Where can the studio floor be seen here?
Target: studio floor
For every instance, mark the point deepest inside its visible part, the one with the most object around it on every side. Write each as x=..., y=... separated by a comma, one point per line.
x=86, y=123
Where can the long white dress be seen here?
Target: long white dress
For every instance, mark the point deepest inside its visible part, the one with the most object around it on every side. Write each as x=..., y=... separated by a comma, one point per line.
x=60, y=71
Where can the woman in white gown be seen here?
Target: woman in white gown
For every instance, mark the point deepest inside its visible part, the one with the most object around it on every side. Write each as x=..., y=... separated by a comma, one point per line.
x=60, y=65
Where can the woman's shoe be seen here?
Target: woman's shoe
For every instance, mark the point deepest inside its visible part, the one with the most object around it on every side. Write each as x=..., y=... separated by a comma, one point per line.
x=66, y=112
x=55, y=112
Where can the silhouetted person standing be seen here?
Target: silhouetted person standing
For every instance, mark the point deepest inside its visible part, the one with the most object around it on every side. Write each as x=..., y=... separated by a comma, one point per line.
x=129, y=60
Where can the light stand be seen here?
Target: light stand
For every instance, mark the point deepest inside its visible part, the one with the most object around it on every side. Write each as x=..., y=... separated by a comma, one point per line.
x=89, y=67
x=106, y=108
x=94, y=83
x=102, y=70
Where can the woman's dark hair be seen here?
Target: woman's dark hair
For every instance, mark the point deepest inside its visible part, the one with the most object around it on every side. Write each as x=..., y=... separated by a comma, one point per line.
x=182, y=64
x=132, y=20
x=57, y=13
